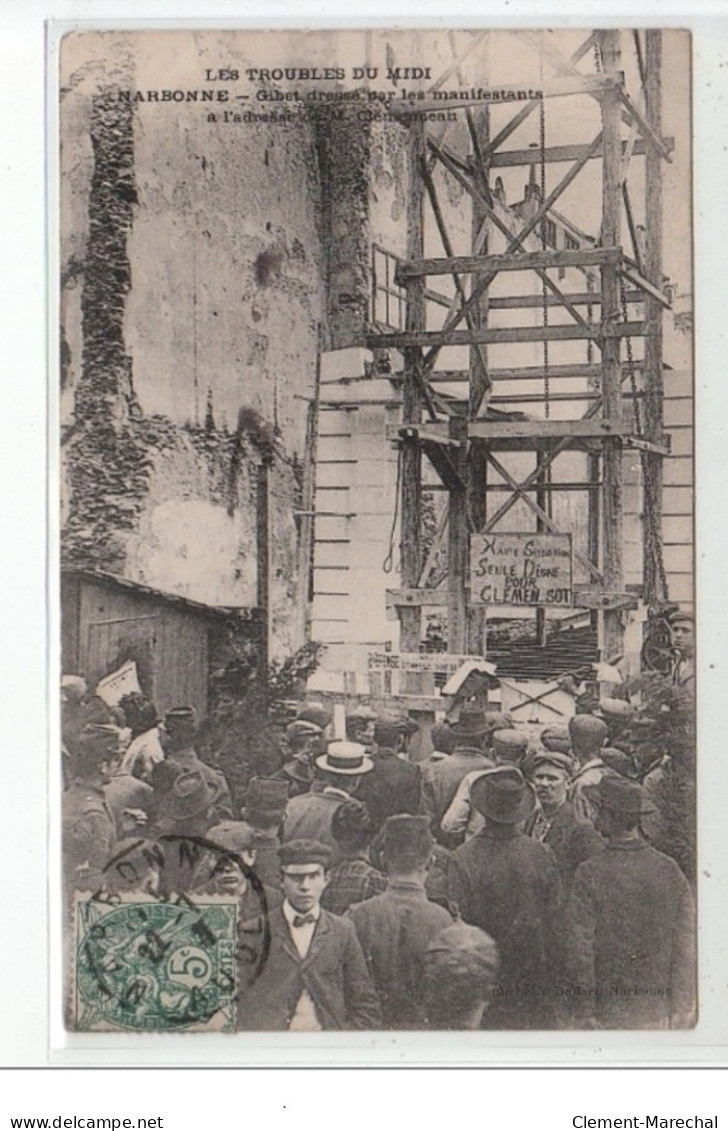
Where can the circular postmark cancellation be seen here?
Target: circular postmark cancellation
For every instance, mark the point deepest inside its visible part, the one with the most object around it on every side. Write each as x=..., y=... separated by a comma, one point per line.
x=148, y=959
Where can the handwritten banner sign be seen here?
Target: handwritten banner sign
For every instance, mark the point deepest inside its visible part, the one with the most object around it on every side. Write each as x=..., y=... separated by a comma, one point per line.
x=443, y=662
x=521, y=569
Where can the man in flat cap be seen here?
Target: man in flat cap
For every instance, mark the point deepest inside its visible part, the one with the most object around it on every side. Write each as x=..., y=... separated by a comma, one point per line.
x=393, y=786
x=682, y=631
x=265, y=805
x=588, y=734
x=177, y=735
x=89, y=831
x=508, y=884
x=395, y=928
x=314, y=977
x=338, y=772
x=440, y=780
x=631, y=920
x=554, y=821
x=303, y=739
x=360, y=722
x=461, y=968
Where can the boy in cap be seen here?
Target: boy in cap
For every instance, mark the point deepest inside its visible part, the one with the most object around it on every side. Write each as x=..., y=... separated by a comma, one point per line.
x=588, y=734
x=508, y=885
x=395, y=928
x=314, y=977
x=631, y=921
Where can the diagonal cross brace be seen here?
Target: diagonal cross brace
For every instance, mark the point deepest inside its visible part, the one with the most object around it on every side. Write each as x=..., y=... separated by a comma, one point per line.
x=546, y=519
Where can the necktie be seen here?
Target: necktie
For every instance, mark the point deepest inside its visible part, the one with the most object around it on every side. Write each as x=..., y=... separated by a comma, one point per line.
x=303, y=920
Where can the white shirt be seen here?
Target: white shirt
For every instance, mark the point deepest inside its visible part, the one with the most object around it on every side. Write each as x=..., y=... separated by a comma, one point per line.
x=304, y=1019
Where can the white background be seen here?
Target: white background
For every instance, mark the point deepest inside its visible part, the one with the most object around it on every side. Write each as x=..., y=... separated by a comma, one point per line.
x=329, y=1098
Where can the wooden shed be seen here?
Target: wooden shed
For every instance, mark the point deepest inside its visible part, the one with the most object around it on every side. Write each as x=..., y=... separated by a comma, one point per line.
x=106, y=620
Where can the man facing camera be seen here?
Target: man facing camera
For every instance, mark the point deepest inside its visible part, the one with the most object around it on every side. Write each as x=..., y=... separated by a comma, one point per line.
x=314, y=976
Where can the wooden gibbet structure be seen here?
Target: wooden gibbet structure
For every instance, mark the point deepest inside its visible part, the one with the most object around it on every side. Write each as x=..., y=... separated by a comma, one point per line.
x=467, y=424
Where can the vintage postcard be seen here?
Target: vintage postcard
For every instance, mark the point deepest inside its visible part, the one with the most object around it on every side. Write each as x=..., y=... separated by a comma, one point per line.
x=376, y=538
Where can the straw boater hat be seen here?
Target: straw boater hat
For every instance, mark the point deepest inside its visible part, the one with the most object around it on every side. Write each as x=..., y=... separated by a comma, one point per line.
x=502, y=796
x=346, y=758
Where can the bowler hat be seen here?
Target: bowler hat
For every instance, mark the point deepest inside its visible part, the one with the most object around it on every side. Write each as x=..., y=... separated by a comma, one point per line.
x=191, y=794
x=304, y=852
x=471, y=724
x=620, y=795
x=503, y=797
x=345, y=758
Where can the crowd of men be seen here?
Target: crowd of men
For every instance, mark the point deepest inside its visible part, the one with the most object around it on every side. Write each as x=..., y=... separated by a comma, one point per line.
x=505, y=881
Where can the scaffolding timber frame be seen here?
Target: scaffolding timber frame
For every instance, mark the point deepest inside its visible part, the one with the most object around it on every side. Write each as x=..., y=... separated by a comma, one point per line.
x=464, y=445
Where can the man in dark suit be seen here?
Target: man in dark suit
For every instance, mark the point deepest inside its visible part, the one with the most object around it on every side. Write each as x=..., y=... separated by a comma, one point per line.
x=631, y=919
x=555, y=823
x=508, y=885
x=314, y=976
x=393, y=786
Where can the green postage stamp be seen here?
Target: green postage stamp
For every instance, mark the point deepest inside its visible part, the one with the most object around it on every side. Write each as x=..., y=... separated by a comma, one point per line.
x=150, y=966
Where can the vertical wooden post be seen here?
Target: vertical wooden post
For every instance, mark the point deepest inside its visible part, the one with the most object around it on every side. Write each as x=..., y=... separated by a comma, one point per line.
x=306, y=523
x=543, y=499
x=652, y=375
x=457, y=544
x=477, y=463
x=411, y=455
x=263, y=560
x=593, y=523
x=612, y=492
